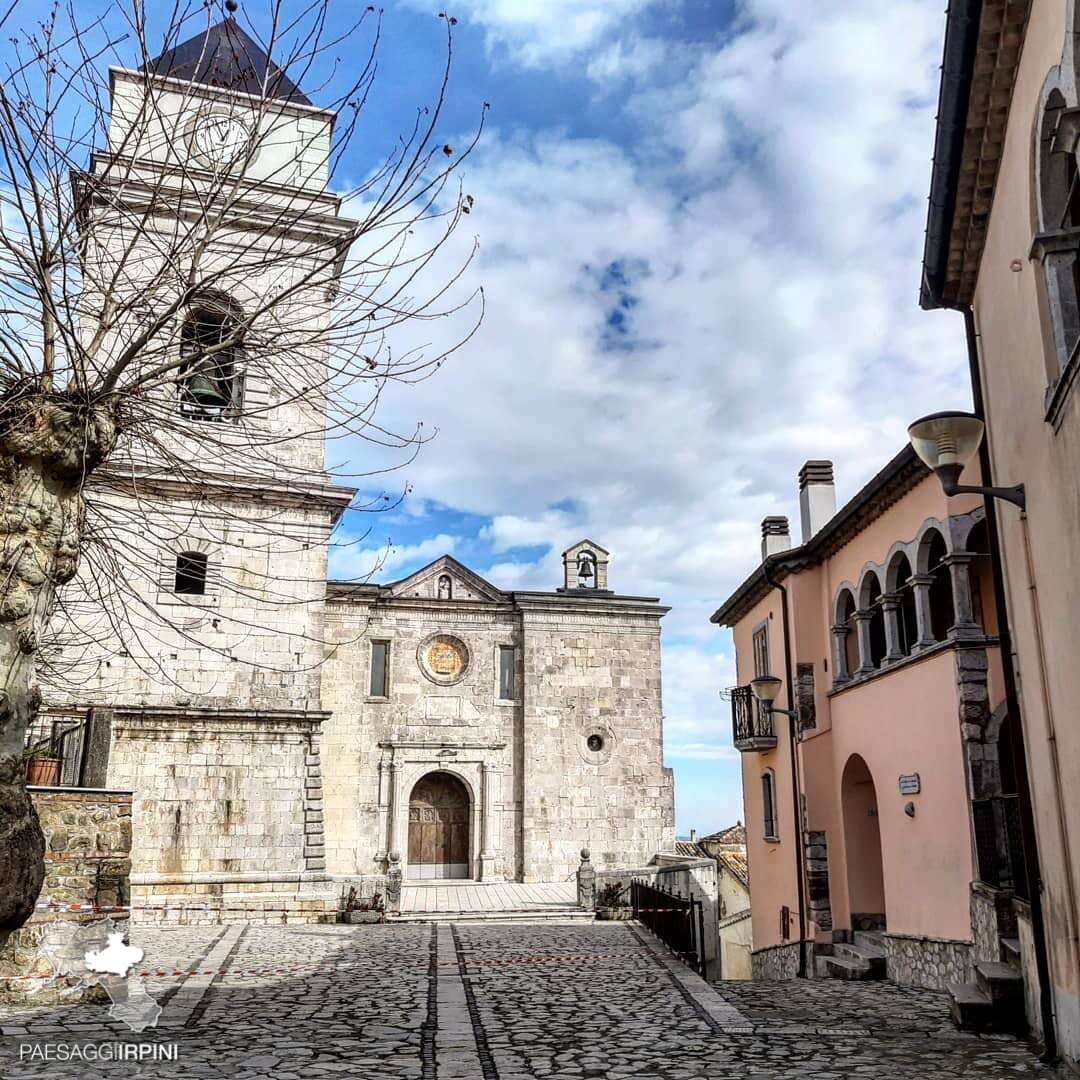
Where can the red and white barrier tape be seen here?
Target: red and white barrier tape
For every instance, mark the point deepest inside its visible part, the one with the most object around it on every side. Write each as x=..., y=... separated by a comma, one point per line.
x=306, y=969
x=204, y=909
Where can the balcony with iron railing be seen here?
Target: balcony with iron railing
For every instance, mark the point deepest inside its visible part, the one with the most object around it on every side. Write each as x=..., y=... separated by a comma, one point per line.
x=751, y=721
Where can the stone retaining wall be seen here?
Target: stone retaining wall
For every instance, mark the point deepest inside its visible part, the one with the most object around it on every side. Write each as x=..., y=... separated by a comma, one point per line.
x=87, y=861
x=779, y=963
x=929, y=962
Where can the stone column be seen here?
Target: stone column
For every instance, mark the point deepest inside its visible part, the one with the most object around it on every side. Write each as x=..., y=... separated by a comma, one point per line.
x=964, y=624
x=890, y=606
x=586, y=882
x=840, y=671
x=395, y=810
x=862, y=631
x=384, y=799
x=921, y=583
x=488, y=779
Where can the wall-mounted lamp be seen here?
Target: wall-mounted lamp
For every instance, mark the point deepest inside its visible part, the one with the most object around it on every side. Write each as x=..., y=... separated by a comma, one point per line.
x=765, y=688
x=946, y=442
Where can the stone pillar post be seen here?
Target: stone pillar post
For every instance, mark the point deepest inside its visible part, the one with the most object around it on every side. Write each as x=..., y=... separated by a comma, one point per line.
x=488, y=779
x=586, y=882
x=862, y=631
x=840, y=668
x=890, y=606
x=384, y=807
x=921, y=583
x=396, y=808
x=393, y=882
x=964, y=624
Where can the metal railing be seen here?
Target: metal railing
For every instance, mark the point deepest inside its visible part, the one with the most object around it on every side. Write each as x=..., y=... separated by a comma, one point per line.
x=999, y=845
x=678, y=921
x=748, y=719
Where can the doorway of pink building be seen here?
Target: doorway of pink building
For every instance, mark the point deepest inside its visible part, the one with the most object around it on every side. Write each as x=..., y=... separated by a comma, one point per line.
x=862, y=845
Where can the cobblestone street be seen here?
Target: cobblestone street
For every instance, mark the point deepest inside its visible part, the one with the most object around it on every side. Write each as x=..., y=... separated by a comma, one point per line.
x=490, y=1001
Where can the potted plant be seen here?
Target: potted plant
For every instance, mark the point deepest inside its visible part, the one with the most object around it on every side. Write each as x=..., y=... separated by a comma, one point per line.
x=365, y=909
x=611, y=903
x=42, y=769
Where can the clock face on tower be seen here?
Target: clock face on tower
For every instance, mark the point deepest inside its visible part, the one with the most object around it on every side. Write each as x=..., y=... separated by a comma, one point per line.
x=218, y=138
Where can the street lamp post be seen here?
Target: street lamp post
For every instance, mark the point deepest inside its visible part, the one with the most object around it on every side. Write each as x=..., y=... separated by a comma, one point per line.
x=765, y=689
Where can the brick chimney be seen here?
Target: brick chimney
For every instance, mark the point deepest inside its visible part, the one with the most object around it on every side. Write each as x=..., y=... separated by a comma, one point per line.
x=817, y=496
x=775, y=536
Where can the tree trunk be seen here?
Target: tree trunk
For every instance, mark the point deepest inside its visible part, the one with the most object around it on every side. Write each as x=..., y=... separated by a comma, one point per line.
x=48, y=447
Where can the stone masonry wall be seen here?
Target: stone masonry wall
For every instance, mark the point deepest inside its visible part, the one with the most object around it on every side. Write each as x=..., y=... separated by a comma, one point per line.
x=218, y=793
x=778, y=963
x=596, y=673
x=927, y=962
x=420, y=727
x=87, y=861
x=253, y=641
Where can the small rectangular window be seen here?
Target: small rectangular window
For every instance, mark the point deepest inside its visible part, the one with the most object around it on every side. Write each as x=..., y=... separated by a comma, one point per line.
x=506, y=673
x=380, y=652
x=190, y=574
x=768, y=806
x=761, y=650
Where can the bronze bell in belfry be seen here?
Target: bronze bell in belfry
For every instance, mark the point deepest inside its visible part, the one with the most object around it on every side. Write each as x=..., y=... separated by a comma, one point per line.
x=206, y=391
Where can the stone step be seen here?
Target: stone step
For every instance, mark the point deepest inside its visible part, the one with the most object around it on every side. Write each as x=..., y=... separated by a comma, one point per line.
x=1002, y=983
x=1010, y=952
x=872, y=957
x=971, y=1009
x=874, y=939
x=540, y=915
x=842, y=967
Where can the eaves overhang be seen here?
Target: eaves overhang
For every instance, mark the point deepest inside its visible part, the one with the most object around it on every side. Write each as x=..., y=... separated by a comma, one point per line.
x=983, y=43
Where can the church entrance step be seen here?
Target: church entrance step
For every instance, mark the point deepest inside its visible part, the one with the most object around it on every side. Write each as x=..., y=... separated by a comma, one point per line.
x=574, y=914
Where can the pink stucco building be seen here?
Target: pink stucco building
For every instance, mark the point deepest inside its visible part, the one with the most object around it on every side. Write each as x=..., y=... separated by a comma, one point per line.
x=900, y=853
x=1003, y=248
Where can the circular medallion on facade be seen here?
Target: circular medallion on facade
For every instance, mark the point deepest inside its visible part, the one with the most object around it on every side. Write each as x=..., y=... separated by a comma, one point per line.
x=443, y=658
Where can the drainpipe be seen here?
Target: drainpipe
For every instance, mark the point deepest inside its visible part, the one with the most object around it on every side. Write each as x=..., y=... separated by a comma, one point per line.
x=795, y=793
x=1016, y=727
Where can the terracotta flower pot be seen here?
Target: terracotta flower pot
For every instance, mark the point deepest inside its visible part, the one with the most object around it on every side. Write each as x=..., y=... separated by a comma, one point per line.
x=44, y=772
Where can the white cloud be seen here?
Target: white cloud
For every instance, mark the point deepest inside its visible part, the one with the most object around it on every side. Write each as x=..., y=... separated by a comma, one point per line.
x=766, y=229
x=539, y=34
x=356, y=562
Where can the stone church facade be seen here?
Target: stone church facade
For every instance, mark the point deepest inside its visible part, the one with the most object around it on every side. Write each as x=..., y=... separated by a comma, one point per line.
x=282, y=733
x=541, y=712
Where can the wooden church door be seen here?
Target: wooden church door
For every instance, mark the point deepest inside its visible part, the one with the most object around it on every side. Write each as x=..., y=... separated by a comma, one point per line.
x=439, y=828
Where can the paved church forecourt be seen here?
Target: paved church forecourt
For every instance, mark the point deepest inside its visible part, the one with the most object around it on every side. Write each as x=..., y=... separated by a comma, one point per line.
x=491, y=1001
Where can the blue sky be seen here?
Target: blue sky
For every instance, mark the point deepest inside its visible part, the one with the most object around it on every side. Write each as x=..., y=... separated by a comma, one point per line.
x=700, y=229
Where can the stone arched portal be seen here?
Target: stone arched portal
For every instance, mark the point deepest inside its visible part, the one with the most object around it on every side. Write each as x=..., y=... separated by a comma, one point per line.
x=439, y=814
